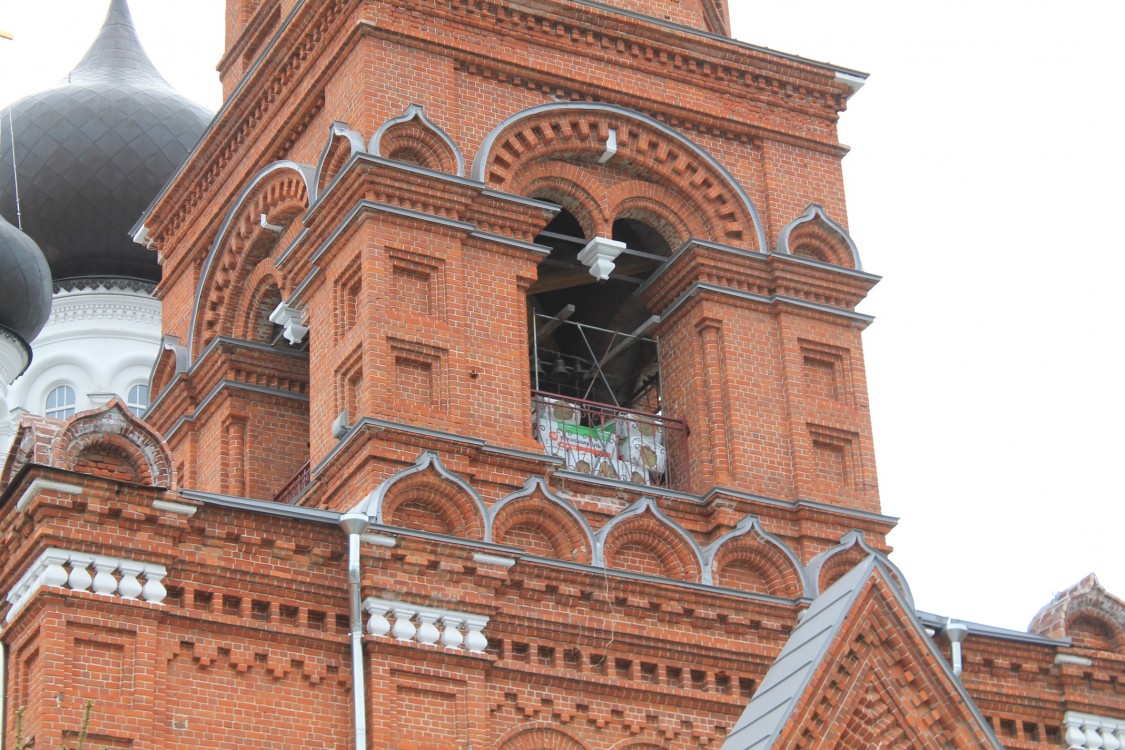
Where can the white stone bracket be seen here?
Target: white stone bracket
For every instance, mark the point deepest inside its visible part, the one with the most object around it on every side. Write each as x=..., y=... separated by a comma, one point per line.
x=458, y=631
x=80, y=571
x=292, y=322
x=599, y=256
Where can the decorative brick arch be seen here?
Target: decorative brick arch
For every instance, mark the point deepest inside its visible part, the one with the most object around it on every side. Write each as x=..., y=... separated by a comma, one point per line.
x=814, y=235
x=658, y=207
x=629, y=144
x=642, y=539
x=260, y=296
x=280, y=192
x=414, y=138
x=110, y=441
x=749, y=558
x=539, y=738
x=828, y=567
x=172, y=361
x=428, y=497
x=571, y=187
x=542, y=523
x=343, y=143
x=1086, y=613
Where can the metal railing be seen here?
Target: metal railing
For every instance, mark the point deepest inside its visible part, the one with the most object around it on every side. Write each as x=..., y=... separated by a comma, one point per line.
x=295, y=486
x=609, y=441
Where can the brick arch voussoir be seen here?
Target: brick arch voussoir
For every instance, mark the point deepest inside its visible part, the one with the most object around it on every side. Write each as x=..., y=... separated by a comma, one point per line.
x=245, y=245
x=258, y=283
x=114, y=428
x=1080, y=619
x=448, y=504
x=414, y=136
x=539, y=738
x=339, y=151
x=572, y=188
x=775, y=569
x=665, y=209
x=662, y=541
x=567, y=538
x=838, y=565
x=814, y=240
x=641, y=150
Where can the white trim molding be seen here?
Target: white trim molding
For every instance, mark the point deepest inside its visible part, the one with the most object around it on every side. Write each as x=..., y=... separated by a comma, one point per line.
x=111, y=576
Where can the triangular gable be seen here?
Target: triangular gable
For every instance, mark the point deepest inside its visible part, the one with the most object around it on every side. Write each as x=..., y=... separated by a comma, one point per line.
x=860, y=671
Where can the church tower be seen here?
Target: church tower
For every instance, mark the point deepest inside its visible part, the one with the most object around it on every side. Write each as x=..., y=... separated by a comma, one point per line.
x=511, y=397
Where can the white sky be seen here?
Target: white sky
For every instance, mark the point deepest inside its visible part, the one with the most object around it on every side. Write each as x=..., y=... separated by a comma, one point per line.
x=985, y=163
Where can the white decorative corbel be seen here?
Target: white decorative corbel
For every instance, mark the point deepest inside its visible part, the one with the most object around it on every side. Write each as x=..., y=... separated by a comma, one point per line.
x=275, y=228
x=610, y=147
x=599, y=255
x=292, y=322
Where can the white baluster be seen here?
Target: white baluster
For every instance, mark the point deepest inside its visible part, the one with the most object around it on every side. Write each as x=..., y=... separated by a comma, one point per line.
x=129, y=587
x=54, y=574
x=1093, y=736
x=427, y=632
x=154, y=590
x=1109, y=739
x=80, y=578
x=451, y=632
x=475, y=640
x=404, y=629
x=377, y=622
x=104, y=582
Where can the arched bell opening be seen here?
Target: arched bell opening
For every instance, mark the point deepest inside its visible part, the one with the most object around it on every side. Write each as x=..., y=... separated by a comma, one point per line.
x=594, y=366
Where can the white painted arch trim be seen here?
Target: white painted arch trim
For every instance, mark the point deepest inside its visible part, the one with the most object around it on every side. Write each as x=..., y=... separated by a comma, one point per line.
x=644, y=505
x=752, y=524
x=854, y=538
x=816, y=213
x=490, y=141
x=305, y=171
x=529, y=488
x=372, y=505
x=416, y=112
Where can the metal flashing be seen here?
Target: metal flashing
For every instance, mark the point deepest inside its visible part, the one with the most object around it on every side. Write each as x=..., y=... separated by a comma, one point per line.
x=417, y=112
x=816, y=212
x=751, y=524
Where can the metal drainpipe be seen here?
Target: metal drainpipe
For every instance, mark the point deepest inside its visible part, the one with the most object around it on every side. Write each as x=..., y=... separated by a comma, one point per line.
x=956, y=632
x=353, y=525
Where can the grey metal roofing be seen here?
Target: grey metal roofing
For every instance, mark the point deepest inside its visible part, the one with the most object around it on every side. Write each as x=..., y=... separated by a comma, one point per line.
x=25, y=284
x=93, y=151
x=787, y=680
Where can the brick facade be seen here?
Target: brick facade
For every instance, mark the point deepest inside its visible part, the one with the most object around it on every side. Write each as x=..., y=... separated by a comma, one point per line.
x=361, y=262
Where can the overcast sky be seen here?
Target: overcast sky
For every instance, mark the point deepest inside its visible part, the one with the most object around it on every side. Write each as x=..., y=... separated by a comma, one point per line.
x=985, y=185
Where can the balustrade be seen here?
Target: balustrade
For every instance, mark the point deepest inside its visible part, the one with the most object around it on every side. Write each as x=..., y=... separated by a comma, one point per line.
x=1086, y=732
x=427, y=626
x=111, y=577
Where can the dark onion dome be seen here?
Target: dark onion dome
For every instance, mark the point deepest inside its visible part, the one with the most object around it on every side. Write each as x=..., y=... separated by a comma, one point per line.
x=25, y=284
x=93, y=152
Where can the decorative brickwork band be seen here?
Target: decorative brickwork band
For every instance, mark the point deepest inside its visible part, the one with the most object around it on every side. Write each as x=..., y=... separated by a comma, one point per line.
x=429, y=627
x=1084, y=731
x=109, y=576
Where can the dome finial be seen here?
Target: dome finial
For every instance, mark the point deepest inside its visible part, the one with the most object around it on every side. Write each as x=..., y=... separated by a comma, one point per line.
x=116, y=52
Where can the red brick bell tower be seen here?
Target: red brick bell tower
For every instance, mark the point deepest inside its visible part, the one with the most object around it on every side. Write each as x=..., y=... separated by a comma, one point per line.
x=512, y=397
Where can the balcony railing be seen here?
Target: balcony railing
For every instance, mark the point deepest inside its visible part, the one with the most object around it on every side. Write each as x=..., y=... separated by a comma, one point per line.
x=295, y=486
x=611, y=442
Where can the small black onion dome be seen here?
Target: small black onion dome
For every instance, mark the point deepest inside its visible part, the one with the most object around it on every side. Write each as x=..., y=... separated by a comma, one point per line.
x=94, y=151
x=25, y=284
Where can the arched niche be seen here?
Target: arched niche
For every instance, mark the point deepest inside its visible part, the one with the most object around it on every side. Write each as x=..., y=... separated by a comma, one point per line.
x=428, y=497
x=413, y=138
x=751, y=559
x=813, y=235
x=250, y=233
x=642, y=539
x=539, y=738
x=542, y=523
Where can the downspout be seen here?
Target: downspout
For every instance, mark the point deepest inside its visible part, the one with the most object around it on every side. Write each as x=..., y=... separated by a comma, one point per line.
x=956, y=632
x=353, y=525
